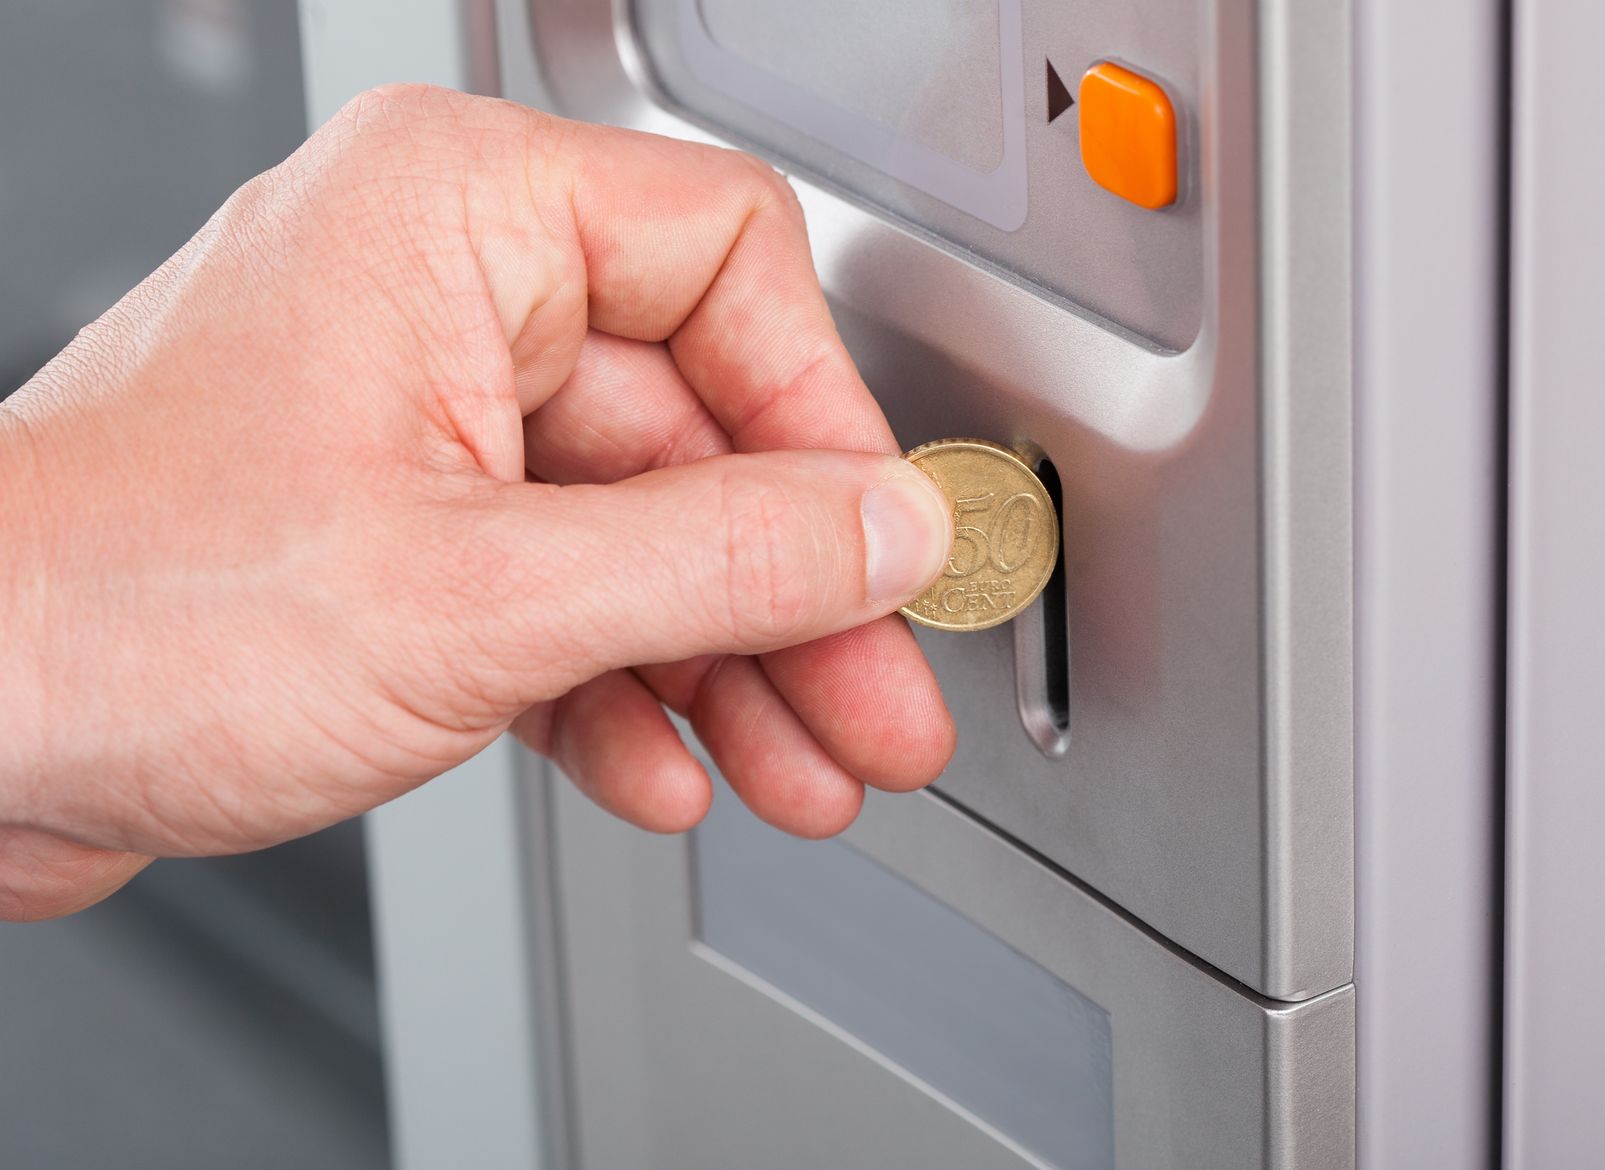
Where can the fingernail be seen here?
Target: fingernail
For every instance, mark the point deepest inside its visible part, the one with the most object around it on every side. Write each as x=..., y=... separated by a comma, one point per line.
x=908, y=535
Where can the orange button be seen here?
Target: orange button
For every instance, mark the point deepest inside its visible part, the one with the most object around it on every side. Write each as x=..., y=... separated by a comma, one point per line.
x=1128, y=135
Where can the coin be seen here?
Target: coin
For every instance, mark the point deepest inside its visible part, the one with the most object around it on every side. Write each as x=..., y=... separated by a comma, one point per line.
x=1005, y=535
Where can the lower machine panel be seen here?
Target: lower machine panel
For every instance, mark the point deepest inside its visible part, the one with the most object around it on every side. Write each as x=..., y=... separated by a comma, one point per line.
x=919, y=993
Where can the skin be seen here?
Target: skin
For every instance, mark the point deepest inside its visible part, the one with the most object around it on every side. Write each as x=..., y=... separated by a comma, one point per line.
x=462, y=419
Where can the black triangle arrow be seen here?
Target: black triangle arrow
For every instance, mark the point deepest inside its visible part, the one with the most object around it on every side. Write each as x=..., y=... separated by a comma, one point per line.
x=1059, y=99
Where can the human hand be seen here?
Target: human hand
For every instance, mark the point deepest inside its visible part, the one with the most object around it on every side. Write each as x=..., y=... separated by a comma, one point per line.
x=272, y=559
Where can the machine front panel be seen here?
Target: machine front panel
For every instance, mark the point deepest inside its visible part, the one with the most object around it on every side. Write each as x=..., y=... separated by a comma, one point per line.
x=1120, y=932
x=1142, y=728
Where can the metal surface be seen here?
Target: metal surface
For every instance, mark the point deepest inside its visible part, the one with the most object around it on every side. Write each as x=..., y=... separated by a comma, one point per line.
x=1555, y=870
x=1205, y=795
x=941, y=999
x=712, y=1065
x=937, y=113
x=961, y=141
x=1429, y=309
x=459, y=996
x=348, y=46
x=1207, y=789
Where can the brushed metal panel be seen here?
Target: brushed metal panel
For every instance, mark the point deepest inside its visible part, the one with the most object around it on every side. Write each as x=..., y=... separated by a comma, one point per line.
x=1555, y=779
x=683, y=1060
x=1208, y=785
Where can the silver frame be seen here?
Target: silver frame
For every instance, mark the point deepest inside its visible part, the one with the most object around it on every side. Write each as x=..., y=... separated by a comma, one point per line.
x=1554, y=1026
x=1429, y=297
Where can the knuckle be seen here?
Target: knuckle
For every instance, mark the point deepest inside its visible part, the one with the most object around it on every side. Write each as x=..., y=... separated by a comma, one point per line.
x=402, y=129
x=388, y=177
x=249, y=216
x=387, y=106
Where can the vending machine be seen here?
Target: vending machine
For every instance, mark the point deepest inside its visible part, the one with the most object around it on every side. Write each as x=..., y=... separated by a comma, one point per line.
x=1217, y=877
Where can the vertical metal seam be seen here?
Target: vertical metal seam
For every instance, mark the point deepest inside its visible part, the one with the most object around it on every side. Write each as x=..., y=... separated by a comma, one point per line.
x=1510, y=29
x=1269, y=35
x=1298, y=235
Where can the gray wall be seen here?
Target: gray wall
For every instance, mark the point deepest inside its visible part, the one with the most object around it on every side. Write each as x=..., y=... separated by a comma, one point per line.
x=123, y=125
x=215, y=1013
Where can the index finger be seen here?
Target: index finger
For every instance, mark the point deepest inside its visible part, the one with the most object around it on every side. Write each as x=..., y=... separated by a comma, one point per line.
x=707, y=249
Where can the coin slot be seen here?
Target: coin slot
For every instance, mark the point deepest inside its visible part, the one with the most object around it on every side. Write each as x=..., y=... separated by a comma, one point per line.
x=1042, y=647
x=1056, y=643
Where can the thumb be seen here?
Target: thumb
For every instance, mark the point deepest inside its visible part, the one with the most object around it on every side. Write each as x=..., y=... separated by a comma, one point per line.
x=732, y=554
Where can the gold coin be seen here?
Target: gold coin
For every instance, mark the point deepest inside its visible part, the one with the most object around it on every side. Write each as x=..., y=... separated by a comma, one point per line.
x=1005, y=535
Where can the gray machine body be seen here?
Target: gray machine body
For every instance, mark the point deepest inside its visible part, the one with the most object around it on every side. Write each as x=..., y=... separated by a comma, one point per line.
x=1204, y=792
x=1239, y=912
x=1210, y=667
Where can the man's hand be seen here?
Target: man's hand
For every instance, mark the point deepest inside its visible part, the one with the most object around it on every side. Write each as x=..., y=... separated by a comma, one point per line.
x=463, y=418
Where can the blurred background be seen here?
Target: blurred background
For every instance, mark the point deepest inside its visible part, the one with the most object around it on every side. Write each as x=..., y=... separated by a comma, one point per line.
x=217, y=1012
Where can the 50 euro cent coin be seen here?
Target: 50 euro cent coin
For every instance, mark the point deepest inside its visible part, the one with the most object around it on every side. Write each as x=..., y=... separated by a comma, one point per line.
x=1005, y=535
